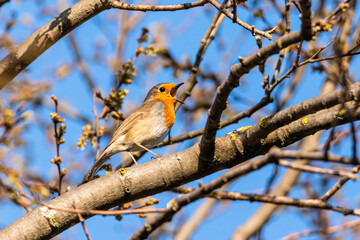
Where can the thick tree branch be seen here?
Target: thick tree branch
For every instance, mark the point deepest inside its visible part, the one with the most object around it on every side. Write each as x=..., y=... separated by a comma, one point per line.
x=168, y=172
x=232, y=81
x=24, y=54
x=48, y=35
x=306, y=19
x=2, y=2
x=207, y=144
x=178, y=203
x=231, y=120
x=182, y=201
x=300, y=110
x=264, y=213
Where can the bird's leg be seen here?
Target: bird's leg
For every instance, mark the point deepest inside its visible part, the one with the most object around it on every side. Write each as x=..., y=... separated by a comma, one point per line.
x=169, y=140
x=133, y=158
x=145, y=148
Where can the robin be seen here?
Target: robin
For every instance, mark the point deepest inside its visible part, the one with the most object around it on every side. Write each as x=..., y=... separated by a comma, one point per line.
x=146, y=127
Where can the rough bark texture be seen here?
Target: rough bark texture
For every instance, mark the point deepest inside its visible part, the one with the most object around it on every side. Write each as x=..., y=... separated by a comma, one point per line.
x=24, y=54
x=265, y=211
x=177, y=169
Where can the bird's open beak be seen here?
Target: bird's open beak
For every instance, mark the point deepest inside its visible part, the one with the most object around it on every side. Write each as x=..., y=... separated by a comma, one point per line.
x=173, y=92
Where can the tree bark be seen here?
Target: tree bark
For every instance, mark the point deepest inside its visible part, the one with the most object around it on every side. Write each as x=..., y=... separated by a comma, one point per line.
x=165, y=173
x=24, y=54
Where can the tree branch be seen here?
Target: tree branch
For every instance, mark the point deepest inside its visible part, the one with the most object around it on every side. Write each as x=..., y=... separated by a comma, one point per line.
x=157, y=8
x=232, y=81
x=306, y=19
x=177, y=169
x=280, y=200
x=311, y=169
x=24, y=54
x=2, y=2
x=333, y=229
x=207, y=144
x=252, y=29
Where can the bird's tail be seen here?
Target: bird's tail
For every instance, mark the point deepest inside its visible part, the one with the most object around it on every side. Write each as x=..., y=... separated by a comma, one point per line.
x=96, y=166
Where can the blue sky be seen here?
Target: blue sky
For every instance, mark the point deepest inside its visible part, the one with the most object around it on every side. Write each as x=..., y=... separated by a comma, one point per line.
x=187, y=29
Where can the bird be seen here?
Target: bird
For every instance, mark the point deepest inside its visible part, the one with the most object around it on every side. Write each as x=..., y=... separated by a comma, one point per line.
x=143, y=129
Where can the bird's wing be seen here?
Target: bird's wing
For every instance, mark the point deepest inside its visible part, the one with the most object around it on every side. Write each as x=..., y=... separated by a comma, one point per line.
x=121, y=130
x=131, y=120
x=125, y=126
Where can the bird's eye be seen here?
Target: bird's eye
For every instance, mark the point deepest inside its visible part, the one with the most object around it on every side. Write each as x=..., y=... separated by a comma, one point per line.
x=162, y=89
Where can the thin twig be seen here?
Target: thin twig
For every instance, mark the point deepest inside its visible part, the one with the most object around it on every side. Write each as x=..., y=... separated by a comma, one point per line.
x=281, y=200
x=331, y=192
x=157, y=8
x=271, y=180
x=2, y=2
x=231, y=120
x=106, y=212
x=58, y=140
x=97, y=128
x=329, y=230
x=82, y=220
x=208, y=37
x=311, y=169
x=327, y=144
x=315, y=156
x=80, y=62
x=252, y=28
x=354, y=142
x=287, y=74
x=234, y=5
x=176, y=204
x=282, y=52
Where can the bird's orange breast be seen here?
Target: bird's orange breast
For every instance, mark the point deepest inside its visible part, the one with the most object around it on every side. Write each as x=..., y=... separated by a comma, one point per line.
x=169, y=110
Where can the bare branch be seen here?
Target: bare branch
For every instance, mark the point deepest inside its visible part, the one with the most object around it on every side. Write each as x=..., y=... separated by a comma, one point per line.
x=306, y=19
x=157, y=8
x=82, y=220
x=315, y=156
x=204, y=44
x=329, y=230
x=303, y=203
x=181, y=201
x=231, y=120
x=46, y=36
x=103, y=212
x=168, y=172
x=2, y=2
x=24, y=54
x=338, y=185
x=311, y=169
x=280, y=200
x=232, y=81
x=252, y=29
x=80, y=62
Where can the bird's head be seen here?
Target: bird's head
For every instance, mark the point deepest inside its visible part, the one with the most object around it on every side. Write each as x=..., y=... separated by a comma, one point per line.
x=164, y=91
